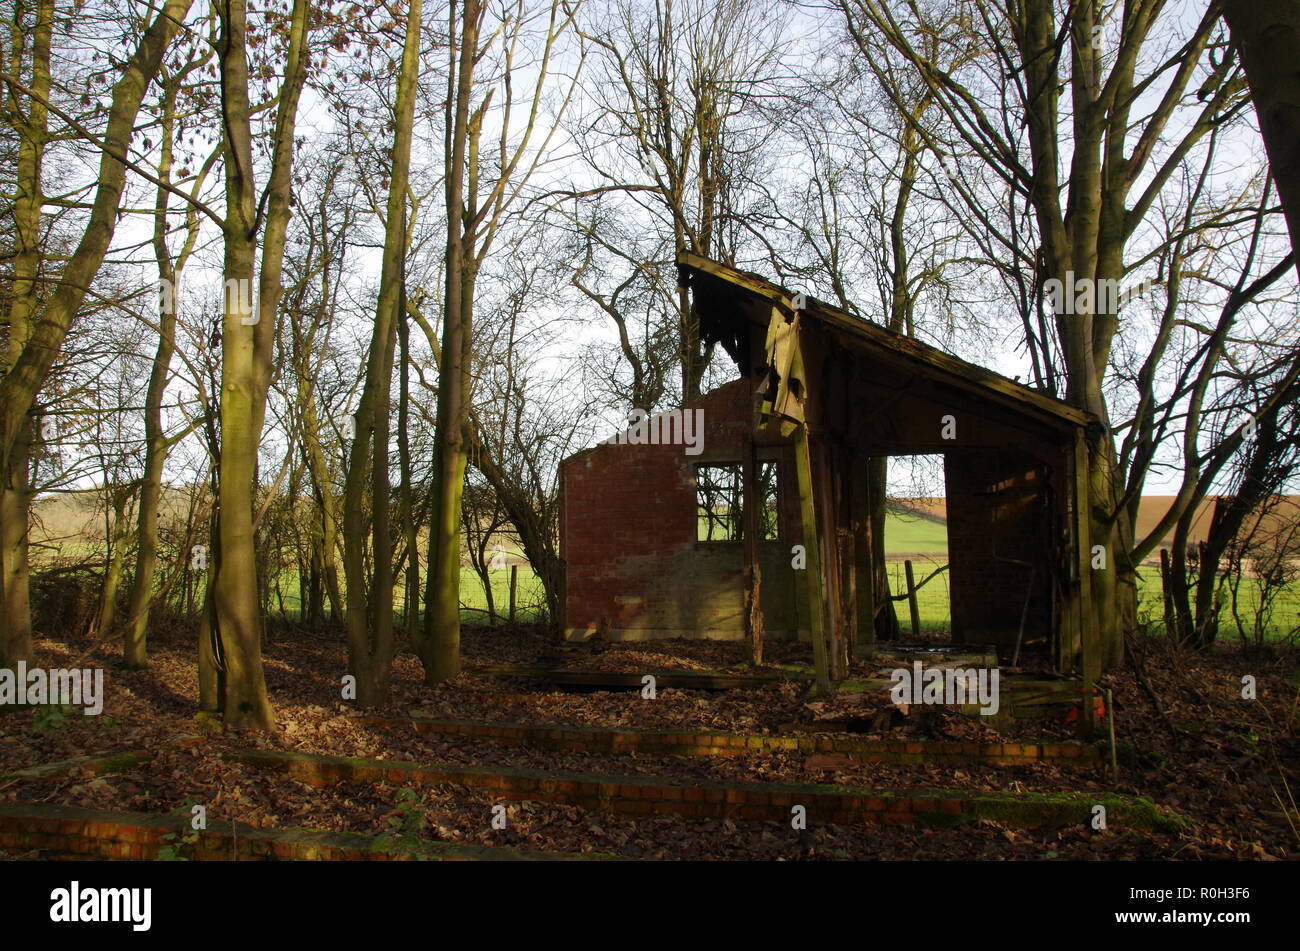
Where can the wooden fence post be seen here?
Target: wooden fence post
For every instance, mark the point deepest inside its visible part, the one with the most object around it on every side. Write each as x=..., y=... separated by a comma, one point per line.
x=1171, y=622
x=514, y=581
x=911, y=600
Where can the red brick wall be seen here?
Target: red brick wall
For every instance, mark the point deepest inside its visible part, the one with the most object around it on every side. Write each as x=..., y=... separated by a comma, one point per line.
x=632, y=564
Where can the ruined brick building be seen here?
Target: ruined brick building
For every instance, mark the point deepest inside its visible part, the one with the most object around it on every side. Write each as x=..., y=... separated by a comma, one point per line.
x=673, y=533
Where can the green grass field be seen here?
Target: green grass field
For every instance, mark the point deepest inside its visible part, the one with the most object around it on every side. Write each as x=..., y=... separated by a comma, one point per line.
x=1282, y=625
x=530, y=600
x=905, y=534
x=922, y=540
x=933, y=604
x=926, y=543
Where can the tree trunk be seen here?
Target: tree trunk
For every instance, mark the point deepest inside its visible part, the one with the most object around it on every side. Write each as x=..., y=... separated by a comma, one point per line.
x=1267, y=35
x=247, y=345
x=324, y=537
x=439, y=646
x=370, y=627
x=134, y=647
x=116, y=540
x=406, y=493
x=15, y=495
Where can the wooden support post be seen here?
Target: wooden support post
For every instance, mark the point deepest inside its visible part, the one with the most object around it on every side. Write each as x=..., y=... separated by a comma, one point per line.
x=832, y=566
x=848, y=603
x=1089, y=648
x=812, y=551
x=751, y=504
x=863, y=558
x=1110, y=730
x=514, y=583
x=911, y=600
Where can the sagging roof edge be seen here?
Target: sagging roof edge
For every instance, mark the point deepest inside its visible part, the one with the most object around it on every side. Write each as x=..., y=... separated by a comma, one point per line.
x=950, y=368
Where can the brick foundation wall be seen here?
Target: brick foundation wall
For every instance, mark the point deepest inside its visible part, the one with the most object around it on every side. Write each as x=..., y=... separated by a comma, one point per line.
x=640, y=795
x=68, y=832
x=678, y=743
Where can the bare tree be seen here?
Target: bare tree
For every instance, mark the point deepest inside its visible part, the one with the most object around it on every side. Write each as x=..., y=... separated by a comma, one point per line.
x=247, y=346
x=480, y=195
x=37, y=333
x=370, y=619
x=684, y=95
x=1072, y=77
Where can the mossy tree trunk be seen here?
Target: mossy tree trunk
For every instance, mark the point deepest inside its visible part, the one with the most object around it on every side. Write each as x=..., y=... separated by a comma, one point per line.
x=30, y=123
x=439, y=644
x=370, y=620
x=247, y=346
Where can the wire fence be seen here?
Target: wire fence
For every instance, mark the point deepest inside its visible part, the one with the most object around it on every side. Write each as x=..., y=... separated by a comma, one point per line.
x=932, y=598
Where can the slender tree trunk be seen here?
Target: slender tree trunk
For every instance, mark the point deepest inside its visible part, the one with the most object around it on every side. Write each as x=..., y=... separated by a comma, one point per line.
x=439, y=647
x=16, y=642
x=325, y=530
x=370, y=628
x=247, y=344
x=15, y=491
x=113, y=570
x=411, y=605
x=134, y=647
x=211, y=691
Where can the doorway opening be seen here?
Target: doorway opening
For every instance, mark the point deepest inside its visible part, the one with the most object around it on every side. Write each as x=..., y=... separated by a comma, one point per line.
x=916, y=548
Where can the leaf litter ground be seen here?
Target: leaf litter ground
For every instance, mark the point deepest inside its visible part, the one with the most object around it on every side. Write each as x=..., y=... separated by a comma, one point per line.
x=1187, y=738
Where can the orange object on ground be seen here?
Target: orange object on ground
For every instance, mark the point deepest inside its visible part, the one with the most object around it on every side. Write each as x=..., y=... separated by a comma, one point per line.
x=1099, y=708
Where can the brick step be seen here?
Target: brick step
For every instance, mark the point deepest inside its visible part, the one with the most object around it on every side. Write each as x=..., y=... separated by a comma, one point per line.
x=1020, y=696
x=644, y=795
x=577, y=739
x=96, y=764
x=70, y=832
x=609, y=680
